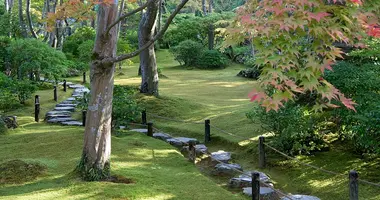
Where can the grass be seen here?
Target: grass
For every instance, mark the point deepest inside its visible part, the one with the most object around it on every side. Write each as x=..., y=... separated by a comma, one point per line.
x=158, y=170
x=195, y=95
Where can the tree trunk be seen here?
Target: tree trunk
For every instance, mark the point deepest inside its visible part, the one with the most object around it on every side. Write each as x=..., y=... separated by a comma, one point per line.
x=121, y=9
x=95, y=162
x=204, y=9
x=210, y=5
x=52, y=35
x=211, y=29
x=30, y=23
x=21, y=20
x=149, y=74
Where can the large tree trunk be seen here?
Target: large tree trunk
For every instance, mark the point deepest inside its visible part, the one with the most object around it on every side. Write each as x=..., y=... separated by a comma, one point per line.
x=95, y=163
x=52, y=35
x=30, y=23
x=21, y=20
x=211, y=29
x=149, y=74
x=204, y=9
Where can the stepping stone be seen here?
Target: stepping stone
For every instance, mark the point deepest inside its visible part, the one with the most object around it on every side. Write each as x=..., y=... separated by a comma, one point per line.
x=67, y=102
x=47, y=117
x=82, y=90
x=226, y=169
x=72, y=123
x=71, y=109
x=201, y=149
x=50, y=113
x=140, y=130
x=71, y=99
x=265, y=193
x=77, y=95
x=122, y=127
x=162, y=136
x=67, y=83
x=245, y=180
x=300, y=197
x=221, y=156
x=75, y=86
x=66, y=105
x=58, y=120
x=181, y=141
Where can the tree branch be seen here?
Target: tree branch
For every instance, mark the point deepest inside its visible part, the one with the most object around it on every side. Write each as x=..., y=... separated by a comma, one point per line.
x=150, y=42
x=129, y=14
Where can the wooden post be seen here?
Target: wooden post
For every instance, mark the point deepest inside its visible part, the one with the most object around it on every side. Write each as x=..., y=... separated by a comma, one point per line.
x=192, y=153
x=262, y=160
x=255, y=186
x=207, y=131
x=353, y=185
x=84, y=113
x=84, y=77
x=36, y=108
x=150, y=129
x=64, y=85
x=143, y=117
x=55, y=93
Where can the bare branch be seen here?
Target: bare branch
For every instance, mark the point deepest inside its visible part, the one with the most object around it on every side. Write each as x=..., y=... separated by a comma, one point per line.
x=129, y=14
x=150, y=42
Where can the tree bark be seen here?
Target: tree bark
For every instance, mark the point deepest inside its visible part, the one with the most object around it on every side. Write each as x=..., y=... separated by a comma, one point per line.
x=52, y=35
x=210, y=5
x=30, y=23
x=204, y=9
x=149, y=74
x=121, y=9
x=95, y=163
x=211, y=29
x=21, y=20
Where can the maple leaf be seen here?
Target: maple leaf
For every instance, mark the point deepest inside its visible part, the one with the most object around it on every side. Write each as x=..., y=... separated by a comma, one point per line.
x=348, y=103
x=318, y=16
x=257, y=96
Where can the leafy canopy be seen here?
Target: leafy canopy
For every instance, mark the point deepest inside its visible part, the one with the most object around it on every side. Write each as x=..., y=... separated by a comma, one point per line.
x=295, y=41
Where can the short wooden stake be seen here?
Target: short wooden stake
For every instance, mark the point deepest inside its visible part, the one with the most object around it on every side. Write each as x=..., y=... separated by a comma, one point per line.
x=255, y=186
x=84, y=114
x=36, y=108
x=192, y=153
x=64, y=85
x=143, y=117
x=262, y=160
x=353, y=185
x=207, y=131
x=84, y=77
x=55, y=93
x=150, y=129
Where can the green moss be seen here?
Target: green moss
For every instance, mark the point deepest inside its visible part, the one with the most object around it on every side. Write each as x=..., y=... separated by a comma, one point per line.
x=18, y=171
x=91, y=171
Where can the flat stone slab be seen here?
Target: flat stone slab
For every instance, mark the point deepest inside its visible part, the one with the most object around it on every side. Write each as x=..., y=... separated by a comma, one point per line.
x=265, y=193
x=67, y=83
x=162, y=136
x=181, y=141
x=72, y=123
x=226, y=169
x=71, y=99
x=66, y=105
x=245, y=180
x=58, y=113
x=75, y=86
x=221, y=156
x=140, y=130
x=58, y=120
x=47, y=117
x=175, y=142
x=71, y=109
x=81, y=90
x=77, y=95
x=201, y=149
x=300, y=197
x=67, y=102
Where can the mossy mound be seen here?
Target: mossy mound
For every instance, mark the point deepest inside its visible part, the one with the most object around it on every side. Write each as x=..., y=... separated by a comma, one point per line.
x=18, y=171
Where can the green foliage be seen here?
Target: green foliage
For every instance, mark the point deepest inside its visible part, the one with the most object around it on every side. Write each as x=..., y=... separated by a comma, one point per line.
x=4, y=56
x=370, y=54
x=252, y=73
x=24, y=90
x=187, y=52
x=212, y=59
x=91, y=172
x=34, y=56
x=124, y=105
x=8, y=100
x=362, y=84
x=294, y=128
x=85, y=51
x=80, y=36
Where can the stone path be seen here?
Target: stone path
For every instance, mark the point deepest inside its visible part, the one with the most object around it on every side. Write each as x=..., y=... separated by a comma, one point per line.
x=225, y=167
x=62, y=112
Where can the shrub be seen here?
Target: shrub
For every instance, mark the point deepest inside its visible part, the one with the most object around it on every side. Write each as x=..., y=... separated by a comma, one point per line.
x=253, y=73
x=294, y=128
x=187, y=52
x=124, y=105
x=24, y=90
x=362, y=84
x=212, y=59
x=8, y=99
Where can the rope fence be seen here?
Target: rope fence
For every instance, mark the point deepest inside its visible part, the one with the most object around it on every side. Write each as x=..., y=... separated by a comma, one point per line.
x=353, y=175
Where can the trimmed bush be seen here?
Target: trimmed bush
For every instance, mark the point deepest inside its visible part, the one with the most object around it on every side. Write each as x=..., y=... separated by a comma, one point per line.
x=212, y=59
x=187, y=53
